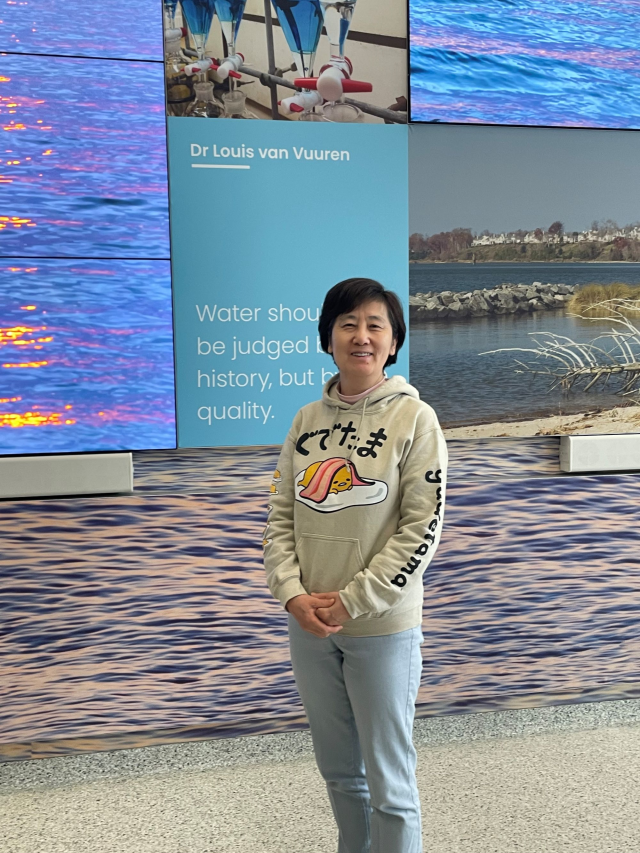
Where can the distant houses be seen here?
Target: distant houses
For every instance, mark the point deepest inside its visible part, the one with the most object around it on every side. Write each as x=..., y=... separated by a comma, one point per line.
x=558, y=235
x=604, y=240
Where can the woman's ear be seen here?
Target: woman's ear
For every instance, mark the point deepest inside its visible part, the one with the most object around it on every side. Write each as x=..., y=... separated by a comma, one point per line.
x=394, y=343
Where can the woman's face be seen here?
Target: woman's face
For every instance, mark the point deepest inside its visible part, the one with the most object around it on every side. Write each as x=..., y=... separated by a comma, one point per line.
x=361, y=342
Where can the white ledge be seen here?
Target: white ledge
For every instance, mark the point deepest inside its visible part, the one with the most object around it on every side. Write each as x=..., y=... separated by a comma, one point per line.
x=599, y=453
x=77, y=474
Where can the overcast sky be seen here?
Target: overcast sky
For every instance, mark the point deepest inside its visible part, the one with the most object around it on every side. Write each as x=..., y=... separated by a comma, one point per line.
x=505, y=178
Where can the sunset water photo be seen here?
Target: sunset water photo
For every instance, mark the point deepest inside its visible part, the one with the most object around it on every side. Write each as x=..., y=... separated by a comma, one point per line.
x=86, y=355
x=86, y=333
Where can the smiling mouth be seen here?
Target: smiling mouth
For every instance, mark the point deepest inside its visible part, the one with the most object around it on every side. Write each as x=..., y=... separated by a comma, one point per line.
x=362, y=354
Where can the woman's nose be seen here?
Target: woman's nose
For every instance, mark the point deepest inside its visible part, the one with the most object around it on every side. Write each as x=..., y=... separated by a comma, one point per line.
x=362, y=334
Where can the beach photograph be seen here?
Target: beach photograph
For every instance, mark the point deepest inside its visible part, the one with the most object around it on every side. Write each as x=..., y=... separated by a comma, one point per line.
x=525, y=62
x=525, y=279
x=310, y=60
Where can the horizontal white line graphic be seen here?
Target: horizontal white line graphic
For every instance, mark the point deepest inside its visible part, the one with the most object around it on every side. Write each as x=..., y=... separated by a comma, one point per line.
x=217, y=166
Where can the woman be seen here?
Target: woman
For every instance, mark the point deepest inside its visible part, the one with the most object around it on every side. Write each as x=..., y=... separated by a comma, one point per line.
x=355, y=517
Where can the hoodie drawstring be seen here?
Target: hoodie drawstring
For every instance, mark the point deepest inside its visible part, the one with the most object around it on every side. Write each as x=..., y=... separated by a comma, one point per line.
x=362, y=414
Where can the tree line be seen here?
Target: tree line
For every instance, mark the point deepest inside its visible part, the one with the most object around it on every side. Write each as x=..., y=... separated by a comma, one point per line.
x=440, y=247
x=448, y=245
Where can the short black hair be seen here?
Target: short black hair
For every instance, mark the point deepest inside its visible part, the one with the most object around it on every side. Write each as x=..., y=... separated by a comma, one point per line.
x=349, y=294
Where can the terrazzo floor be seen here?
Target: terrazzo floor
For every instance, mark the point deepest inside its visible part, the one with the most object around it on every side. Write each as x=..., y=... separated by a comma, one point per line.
x=528, y=792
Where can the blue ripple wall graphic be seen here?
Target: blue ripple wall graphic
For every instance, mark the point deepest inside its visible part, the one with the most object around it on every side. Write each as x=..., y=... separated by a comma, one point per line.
x=162, y=619
x=117, y=29
x=526, y=62
x=86, y=356
x=83, y=158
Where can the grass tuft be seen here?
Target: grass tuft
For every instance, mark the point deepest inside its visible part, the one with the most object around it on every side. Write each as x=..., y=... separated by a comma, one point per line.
x=585, y=301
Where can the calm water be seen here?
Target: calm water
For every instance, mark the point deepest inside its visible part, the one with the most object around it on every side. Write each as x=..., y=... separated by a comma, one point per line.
x=466, y=387
x=526, y=62
x=83, y=160
x=86, y=356
x=162, y=618
x=463, y=277
x=115, y=29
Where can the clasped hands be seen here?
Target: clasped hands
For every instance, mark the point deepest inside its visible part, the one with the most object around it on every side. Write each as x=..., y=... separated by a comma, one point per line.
x=321, y=613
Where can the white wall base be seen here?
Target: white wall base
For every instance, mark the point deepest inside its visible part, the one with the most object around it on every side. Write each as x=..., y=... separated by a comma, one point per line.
x=82, y=474
x=599, y=453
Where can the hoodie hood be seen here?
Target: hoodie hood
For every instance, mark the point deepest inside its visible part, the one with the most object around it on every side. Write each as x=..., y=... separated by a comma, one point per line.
x=395, y=386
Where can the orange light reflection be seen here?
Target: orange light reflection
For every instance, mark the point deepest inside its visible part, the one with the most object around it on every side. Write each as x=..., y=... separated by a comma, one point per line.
x=15, y=222
x=16, y=420
x=27, y=364
x=14, y=334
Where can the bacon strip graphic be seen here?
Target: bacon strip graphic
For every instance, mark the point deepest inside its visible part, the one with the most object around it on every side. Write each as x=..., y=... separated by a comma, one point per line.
x=320, y=484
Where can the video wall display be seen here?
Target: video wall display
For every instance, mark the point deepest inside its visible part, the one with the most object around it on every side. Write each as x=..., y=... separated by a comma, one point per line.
x=525, y=279
x=525, y=62
x=77, y=28
x=311, y=60
x=523, y=242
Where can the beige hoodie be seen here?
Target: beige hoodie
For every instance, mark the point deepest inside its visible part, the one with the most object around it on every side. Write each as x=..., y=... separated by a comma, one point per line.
x=356, y=505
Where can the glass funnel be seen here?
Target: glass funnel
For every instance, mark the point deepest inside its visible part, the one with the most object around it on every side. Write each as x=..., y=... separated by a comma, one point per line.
x=337, y=20
x=230, y=13
x=301, y=22
x=170, y=7
x=198, y=15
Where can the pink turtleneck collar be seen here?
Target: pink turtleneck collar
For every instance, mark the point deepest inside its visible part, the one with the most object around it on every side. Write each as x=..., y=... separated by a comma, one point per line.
x=353, y=398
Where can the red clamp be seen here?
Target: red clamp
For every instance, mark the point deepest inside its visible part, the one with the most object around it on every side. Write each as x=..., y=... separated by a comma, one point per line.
x=231, y=73
x=348, y=86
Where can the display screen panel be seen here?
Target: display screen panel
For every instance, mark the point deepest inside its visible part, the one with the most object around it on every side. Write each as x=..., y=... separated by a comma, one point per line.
x=86, y=356
x=525, y=279
x=310, y=60
x=116, y=29
x=525, y=62
x=248, y=293
x=83, y=158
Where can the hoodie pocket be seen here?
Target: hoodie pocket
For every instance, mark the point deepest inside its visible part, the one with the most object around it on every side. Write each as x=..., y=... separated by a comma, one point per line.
x=327, y=563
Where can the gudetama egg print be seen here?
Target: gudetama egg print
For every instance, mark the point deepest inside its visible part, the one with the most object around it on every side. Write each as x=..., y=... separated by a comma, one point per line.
x=340, y=482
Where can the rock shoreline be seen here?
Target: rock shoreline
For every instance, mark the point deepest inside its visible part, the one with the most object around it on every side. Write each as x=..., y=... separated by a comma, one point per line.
x=505, y=299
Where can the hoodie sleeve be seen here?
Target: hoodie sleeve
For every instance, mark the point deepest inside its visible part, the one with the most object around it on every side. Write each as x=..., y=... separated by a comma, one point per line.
x=280, y=559
x=399, y=566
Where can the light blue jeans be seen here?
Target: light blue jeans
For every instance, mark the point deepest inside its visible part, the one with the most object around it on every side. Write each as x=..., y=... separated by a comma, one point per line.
x=359, y=695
